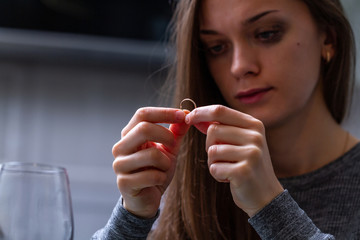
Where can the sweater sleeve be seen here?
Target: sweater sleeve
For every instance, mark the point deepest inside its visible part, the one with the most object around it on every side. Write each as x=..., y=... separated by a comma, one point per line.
x=284, y=219
x=125, y=226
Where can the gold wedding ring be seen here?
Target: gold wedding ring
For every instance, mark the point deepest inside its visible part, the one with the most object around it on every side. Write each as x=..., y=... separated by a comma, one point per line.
x=187, y=100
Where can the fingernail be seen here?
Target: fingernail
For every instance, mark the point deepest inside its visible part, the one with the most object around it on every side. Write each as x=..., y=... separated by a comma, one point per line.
x=179, y=115
x=187, y=119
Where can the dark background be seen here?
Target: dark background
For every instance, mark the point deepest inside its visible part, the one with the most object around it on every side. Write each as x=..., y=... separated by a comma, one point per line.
x=132, y=19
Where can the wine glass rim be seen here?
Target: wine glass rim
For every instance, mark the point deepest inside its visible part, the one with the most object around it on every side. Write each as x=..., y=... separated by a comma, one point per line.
x=31, y=167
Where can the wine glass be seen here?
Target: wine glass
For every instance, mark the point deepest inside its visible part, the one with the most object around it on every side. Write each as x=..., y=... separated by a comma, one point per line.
x=35, y=202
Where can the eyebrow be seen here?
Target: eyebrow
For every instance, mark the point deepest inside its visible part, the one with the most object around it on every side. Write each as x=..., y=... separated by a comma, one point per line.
x=246, y=22
x=258, y=16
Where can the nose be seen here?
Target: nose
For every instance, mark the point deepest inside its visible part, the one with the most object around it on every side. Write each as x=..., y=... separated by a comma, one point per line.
x=244, y=62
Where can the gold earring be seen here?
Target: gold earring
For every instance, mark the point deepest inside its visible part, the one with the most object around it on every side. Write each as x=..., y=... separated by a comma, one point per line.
x=328, y=57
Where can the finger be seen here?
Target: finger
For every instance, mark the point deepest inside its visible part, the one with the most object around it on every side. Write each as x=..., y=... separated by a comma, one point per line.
x=154, y=115
x=233, y=154
x=179, y=130
x=147, y=158
x=224, y=171
x=220, y=171
x=141, y=134
x=132, y=184
x=223, y=115
x=224, y=134
x=203, y=126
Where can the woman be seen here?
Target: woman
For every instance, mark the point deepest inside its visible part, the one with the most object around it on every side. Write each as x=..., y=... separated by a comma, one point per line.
x=273, y=79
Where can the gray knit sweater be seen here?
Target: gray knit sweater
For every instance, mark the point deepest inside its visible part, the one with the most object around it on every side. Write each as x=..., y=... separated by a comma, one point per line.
x=324, y=204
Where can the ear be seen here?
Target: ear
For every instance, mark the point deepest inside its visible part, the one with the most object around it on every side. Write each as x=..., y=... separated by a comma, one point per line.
x=328, y=44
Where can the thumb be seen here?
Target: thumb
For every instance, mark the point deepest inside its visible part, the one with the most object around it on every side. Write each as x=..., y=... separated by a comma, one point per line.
x=179, y=130
x=203, y=126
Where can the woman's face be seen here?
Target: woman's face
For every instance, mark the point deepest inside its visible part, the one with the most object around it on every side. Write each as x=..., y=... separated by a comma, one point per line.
x=264, y=55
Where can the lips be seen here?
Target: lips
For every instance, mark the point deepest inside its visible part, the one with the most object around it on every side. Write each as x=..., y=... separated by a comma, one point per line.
x=252, y=95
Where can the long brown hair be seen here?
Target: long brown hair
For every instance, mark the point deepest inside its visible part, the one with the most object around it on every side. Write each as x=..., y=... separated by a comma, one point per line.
x=339, y=74
x=195, y=205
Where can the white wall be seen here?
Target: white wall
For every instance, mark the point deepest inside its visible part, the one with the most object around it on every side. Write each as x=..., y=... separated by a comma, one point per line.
x=71, y=115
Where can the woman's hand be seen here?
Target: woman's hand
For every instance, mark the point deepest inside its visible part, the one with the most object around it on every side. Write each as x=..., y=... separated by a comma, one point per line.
x=145, y=157
x=238, y=154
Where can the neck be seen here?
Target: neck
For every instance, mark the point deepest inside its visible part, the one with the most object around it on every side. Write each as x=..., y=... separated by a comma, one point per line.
x=306, y=143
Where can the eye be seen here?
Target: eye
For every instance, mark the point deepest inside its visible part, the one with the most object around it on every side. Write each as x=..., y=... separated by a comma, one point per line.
x=274, y=34
x=216, y=49
x=268, y=36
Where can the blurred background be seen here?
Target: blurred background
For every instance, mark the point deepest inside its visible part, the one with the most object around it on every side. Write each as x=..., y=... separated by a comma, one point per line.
x=72, y=73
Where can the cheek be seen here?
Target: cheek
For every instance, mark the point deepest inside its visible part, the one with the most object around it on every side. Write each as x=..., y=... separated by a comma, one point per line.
x=295, y=72
x=308, y=60
x=220, y=71
x=298, y=63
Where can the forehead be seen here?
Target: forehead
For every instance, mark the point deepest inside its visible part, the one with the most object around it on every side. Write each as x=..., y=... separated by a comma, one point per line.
x=215, y=12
